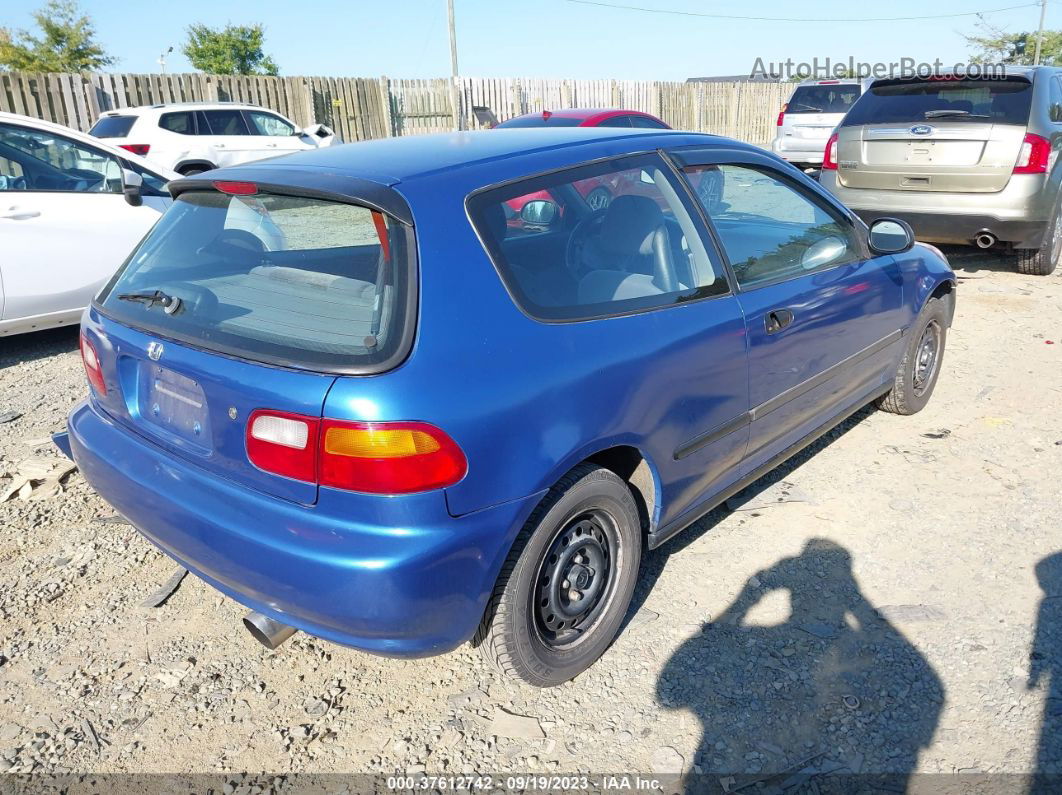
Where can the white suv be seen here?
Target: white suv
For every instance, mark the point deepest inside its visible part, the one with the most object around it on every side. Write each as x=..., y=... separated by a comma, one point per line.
x=198, y=136
x=809, y=117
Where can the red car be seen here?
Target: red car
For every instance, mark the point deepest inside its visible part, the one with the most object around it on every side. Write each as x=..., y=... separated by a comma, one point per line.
x=597, y=194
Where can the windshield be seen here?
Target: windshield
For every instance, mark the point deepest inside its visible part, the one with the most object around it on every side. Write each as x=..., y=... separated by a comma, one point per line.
x=823, y=99
x=297, y=281
x=1004, y=101
x=112, y=126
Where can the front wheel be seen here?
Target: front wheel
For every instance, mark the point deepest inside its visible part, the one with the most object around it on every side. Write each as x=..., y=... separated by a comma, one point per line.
x=567, y=583
x=917, y=373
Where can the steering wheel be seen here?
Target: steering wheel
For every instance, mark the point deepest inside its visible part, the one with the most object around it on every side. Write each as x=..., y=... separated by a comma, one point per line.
x=575, y=251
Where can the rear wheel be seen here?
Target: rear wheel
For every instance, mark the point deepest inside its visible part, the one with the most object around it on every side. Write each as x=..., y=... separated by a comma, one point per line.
x=566, y=586
x=916, y=375
x=1042, y=261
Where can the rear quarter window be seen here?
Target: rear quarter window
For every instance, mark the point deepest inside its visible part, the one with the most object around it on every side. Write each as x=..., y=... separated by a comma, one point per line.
x=290, y=280
x=112, y=126
x=1004, y=101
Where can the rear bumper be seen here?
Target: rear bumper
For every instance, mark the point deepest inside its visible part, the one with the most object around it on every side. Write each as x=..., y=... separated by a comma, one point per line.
x=410, y=581
x=797, y=150
x=1017, y=214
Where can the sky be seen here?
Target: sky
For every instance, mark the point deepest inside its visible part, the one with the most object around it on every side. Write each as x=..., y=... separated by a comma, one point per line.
x=545, y=38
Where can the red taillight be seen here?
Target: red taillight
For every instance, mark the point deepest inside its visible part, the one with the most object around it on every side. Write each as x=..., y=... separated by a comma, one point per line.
x=91, y=360
x=1033, y=156
x=371, y=457
x=781, y=115
x=236, y=188
x=136, y=149
x=284, y=444
x=388, y=457
x=829, y=157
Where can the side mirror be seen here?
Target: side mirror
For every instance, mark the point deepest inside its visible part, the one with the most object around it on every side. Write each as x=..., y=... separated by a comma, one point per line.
x=539, y=212
x=890, y=236
x=132, y=182
x=321, y=135
x=822, y=252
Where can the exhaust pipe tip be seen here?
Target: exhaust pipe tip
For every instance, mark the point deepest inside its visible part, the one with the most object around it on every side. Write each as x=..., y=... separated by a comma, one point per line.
x=985, y=240
x=266, y=631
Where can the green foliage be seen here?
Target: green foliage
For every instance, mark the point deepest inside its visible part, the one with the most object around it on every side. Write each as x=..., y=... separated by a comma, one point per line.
x=66, y=42
x=993, y=45
x=232, y=50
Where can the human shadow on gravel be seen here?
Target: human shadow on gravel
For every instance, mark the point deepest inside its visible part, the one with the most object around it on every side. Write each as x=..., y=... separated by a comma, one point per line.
x=1045, y=669
x=835, y=692
x=36, y=345
x=654, y=562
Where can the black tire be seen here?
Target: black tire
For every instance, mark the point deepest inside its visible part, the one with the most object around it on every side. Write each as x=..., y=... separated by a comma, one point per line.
x=1043, y=261
x=589, y=509
x=915, y=376
x=191, y=171
x=599, y=198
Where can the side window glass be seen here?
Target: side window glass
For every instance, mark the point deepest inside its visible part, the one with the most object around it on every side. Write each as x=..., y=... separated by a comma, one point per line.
x=644, y=122
x=769, y=229
x=565, y=258
x=180, y=123
x=42, y=161
x=1055, y=108
x=616, y=121
x=268, y=124
x=226, y=122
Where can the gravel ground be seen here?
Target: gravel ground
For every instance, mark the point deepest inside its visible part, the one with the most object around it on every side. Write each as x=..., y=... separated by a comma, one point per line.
x=891, y=602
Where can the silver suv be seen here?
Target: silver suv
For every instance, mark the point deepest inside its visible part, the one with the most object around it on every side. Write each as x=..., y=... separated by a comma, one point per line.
x=966, y=161
x=811, y=114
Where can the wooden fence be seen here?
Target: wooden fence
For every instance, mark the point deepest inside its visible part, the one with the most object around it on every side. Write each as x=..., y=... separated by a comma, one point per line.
x=360, y=108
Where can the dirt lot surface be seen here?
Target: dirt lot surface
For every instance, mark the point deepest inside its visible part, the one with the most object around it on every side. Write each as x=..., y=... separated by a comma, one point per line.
x=889, y=602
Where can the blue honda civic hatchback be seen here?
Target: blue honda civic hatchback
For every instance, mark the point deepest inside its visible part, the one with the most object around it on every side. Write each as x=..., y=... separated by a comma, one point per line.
x=409, y=393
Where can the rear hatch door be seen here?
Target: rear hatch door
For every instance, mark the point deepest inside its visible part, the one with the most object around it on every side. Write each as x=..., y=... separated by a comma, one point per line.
x=960, y=136
x=815, y=109
x=251, y=302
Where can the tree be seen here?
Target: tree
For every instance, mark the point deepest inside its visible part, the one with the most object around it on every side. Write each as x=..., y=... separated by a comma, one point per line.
x=994, y=45
x=67, y=42
x=232, y=50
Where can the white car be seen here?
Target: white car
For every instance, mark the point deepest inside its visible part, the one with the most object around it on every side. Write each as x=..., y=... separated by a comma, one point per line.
x=71, y=210
x=809, y=117
x=193, y=137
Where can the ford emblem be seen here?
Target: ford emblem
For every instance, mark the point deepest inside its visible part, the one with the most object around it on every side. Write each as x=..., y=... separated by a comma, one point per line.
x=154, y=351
x=921, y=129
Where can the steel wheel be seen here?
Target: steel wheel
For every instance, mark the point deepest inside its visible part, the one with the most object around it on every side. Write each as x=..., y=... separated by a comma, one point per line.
x=575, y=581
x=926, y=357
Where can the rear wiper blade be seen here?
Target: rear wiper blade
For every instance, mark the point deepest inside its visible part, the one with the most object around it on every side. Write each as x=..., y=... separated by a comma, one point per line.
x=169, y=303
x=937, y=114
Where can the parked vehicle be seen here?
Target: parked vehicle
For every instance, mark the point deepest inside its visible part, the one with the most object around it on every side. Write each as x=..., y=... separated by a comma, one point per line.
x=810, y=116
x=585, y=117
x=965, y=161
x=71, y=209
x=599, y=192
x=193, y=137
x=578, y=391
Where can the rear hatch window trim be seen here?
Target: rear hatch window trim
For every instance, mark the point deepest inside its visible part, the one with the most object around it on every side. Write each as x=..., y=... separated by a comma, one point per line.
x=396, y=209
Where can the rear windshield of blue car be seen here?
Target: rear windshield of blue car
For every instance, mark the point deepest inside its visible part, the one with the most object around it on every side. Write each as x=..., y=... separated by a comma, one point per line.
x=995, y=101
x=290, y=280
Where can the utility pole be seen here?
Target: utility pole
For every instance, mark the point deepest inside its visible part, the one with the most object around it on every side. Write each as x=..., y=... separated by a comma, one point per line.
x=1040, y=34
x=454, y=102
x=162, y=59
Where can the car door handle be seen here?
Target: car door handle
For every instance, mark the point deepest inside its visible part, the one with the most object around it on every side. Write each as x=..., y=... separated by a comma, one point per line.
x=777, y=319
x=15, y=214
